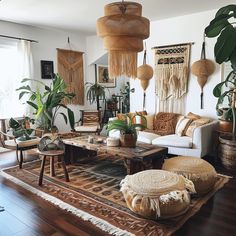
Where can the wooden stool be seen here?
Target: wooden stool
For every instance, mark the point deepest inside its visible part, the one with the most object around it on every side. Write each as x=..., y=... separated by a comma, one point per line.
x=53, y=153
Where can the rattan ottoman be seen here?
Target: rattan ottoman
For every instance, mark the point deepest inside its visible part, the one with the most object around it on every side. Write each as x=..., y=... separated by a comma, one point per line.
x=199, y=171
x=157, y=194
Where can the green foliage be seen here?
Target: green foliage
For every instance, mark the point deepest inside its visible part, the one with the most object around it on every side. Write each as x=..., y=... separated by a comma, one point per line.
x=223, y=27
x=19, y=128
x=47, y=101
x=95, y=92
x=127, y=126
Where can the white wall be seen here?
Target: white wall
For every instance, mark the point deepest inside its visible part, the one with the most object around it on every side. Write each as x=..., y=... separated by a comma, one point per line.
x=49, y=40
x=188, y=28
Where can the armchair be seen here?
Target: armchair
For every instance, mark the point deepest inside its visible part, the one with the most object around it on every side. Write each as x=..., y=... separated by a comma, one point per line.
x=10, y=142
x=90, y=122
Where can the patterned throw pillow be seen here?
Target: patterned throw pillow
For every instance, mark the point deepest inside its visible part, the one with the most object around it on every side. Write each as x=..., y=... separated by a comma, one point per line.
x=139, y=119
x=164, y=123
x=195, y=124
x=141, y=113
x=121, y=116
x=182, y=125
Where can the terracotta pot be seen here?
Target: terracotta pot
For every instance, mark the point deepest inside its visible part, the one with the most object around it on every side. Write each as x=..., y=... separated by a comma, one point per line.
x=225, y=126
x=128, y=140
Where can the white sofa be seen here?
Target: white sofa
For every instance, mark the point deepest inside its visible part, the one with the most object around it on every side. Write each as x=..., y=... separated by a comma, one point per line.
x=199, y=145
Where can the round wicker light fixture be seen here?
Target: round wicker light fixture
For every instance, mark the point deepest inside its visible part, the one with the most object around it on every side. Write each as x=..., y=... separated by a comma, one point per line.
x=123, y=30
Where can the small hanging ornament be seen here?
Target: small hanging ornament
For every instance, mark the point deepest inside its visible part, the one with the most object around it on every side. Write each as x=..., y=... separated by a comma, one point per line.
x=144, y=74
x=203, y=68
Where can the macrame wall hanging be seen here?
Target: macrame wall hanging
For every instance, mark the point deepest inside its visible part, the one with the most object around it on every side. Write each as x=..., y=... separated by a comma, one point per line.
x=144, y=74
x=203, y=68
x=171, y=76
x=70, y=68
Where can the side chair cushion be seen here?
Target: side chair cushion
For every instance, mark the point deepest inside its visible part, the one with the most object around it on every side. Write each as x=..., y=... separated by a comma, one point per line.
x=86, y=128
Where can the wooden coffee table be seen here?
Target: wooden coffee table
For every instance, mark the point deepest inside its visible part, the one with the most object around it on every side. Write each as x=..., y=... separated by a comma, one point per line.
x=142, y=157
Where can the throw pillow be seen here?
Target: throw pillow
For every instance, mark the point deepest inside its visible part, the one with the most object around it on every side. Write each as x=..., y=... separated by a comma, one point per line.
x=164, y=123
x=141, y=113
x=193, y=116
x=150, y=120
x=195, y=124
x=121, y=116
x=138, y=119
x=182, y=126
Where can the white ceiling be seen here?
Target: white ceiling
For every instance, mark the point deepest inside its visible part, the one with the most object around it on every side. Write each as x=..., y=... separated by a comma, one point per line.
x=81, y=15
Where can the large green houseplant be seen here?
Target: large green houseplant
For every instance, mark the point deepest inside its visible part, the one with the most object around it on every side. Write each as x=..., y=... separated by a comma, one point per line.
x=128, y=129
x=95, y=93
x=223, y=27
x=47, y=100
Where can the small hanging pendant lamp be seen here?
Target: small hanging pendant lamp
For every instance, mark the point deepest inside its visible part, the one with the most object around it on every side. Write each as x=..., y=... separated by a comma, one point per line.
x=123, y=30
x=145, y=73
x=203, y=68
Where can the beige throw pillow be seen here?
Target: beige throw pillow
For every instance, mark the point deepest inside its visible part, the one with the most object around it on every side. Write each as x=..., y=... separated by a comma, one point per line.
x=149, y=119
x=195, y=124
x=182, y=125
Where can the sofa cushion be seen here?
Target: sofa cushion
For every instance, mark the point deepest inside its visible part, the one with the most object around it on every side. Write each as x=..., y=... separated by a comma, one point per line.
x=193, y=116
x=164, y=123
x=146, y=137
x=195, y=124
x=149, y=119
x=182, y=126
x=173, y=140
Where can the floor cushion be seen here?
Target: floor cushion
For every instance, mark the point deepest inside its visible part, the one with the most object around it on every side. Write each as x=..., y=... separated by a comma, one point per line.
x=173, y=140
x=157, y=193
x=200, y=172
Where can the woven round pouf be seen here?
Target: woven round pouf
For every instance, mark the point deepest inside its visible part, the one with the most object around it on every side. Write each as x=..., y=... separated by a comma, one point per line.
x=200, y=172
x=157, y=193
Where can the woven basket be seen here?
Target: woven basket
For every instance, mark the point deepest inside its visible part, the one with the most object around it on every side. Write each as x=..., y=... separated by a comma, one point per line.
x=128, y=140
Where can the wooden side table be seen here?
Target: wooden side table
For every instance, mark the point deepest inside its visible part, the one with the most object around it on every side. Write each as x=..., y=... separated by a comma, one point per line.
x=52, y=154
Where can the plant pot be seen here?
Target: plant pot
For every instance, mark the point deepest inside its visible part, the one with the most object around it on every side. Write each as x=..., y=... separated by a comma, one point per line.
x=227, y=152
x=128, y=140
x=225, y=126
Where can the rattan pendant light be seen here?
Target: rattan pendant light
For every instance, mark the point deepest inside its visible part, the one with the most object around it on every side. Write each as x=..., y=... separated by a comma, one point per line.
x=145, y=73
x=123, y=30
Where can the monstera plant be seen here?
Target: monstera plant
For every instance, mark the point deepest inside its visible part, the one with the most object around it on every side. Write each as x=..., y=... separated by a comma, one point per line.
x=47, y=100
x=223, y=27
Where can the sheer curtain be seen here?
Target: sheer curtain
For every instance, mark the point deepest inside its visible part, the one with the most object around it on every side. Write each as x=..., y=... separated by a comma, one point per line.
x=15, y=64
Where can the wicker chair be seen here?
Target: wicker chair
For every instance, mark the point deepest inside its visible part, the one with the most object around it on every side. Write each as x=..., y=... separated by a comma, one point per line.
x=90, y=122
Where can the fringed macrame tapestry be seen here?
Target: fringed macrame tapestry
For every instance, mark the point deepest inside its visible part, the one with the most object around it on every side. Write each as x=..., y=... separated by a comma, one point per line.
x=171, y=76
x=70, y=68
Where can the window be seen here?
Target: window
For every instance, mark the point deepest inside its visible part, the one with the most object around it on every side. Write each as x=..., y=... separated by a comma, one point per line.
x=10, y=77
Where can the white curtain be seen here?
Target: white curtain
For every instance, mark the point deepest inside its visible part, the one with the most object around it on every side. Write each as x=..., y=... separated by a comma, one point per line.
x=16, y=64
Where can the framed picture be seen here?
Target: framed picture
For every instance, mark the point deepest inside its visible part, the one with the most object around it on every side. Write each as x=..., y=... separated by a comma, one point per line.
x=102, y=76
x=47, y=70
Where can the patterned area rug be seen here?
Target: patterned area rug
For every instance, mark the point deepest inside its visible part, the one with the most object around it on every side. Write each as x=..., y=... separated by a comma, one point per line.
x=93, y=194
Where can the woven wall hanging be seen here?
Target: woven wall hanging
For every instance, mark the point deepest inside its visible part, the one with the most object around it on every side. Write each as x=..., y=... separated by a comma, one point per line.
x=171, y=75
x=70, y=67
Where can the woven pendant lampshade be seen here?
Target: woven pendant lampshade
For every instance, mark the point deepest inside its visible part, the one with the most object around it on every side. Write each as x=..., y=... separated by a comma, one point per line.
x=123, y=30
x=144, y=74
x=202, y=69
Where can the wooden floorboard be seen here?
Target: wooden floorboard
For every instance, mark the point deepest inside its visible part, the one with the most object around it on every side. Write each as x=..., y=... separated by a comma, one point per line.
x=28, y=215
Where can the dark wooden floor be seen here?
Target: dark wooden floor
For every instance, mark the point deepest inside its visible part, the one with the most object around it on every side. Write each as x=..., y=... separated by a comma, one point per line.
x=26, y=214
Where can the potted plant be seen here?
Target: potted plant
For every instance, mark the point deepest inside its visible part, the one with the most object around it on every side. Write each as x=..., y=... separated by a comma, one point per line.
x=112, y=103
x=47, y=100
x=125, y=92
x=128, y=129
x=95, y=92
x=223, y=27
x=21, y=128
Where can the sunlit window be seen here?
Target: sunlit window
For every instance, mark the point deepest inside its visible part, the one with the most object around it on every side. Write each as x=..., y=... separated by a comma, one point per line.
x=10, y=106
